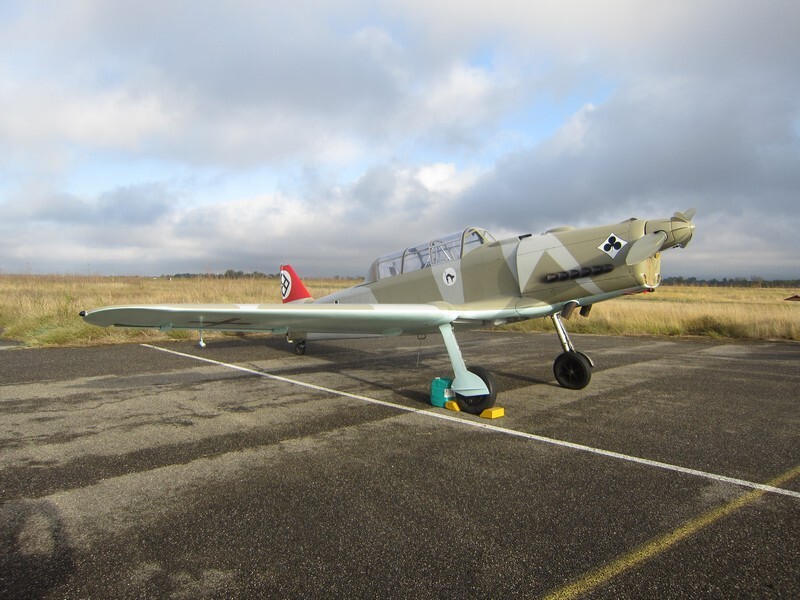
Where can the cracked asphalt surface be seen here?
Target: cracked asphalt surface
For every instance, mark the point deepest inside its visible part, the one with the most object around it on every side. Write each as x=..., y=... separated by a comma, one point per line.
x=128, y=472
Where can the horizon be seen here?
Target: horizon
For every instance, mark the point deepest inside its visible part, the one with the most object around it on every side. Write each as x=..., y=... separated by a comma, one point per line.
x=132, y=140
x=241, y=274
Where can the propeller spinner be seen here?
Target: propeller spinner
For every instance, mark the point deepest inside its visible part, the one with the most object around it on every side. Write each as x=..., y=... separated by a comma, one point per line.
x=678, y=229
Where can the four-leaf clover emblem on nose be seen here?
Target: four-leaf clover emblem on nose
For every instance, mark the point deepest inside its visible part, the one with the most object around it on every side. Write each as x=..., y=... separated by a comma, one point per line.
x=612, y=245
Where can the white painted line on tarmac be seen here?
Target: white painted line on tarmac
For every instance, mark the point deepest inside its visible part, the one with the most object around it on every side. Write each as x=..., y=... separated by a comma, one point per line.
x=434, y=414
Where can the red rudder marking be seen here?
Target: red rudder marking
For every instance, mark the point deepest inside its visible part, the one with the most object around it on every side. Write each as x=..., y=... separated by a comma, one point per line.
x=292, y=288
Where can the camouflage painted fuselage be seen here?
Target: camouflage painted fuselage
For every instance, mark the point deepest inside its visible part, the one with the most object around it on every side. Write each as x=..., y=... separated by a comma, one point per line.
x=531, y=275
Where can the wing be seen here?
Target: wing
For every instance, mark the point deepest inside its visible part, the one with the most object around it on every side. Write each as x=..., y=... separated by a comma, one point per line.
x=380, y=319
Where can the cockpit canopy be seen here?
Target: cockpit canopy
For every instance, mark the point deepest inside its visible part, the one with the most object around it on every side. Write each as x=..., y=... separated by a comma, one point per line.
x=437, y=251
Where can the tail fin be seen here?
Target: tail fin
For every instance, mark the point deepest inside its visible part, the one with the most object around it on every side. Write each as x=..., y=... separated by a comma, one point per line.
x=292, y=288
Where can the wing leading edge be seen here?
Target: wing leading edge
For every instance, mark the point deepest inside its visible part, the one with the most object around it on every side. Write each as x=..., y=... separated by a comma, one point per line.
x=376, y=319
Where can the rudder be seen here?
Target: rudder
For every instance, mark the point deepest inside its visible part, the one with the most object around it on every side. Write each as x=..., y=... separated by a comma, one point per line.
x=292, y=287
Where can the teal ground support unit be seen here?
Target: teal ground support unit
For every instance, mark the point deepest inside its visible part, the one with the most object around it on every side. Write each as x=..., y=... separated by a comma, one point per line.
x=441, y=391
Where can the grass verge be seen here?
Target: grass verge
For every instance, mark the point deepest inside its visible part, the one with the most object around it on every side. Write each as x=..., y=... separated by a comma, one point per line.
x=43, y=310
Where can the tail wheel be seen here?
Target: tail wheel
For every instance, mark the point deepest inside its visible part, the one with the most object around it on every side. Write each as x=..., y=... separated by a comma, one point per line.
x=475, y=405
x=572, y=370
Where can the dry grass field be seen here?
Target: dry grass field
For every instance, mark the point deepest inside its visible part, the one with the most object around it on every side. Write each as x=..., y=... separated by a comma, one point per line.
x=730, y=312
x=43, y=310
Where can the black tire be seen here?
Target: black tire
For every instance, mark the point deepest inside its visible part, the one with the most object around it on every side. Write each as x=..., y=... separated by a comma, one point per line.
x=300, y=348
x=475, y=405
x=572, y=370
x=589, y=360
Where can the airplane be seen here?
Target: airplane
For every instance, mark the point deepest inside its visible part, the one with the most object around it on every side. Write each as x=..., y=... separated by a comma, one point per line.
x=459, y=281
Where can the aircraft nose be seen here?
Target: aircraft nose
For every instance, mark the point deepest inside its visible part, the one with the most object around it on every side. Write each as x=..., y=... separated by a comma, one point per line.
x=679, y=229
x=682, y=232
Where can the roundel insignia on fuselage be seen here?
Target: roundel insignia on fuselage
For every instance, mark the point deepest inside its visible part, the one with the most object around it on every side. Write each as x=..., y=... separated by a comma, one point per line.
x=449, y=276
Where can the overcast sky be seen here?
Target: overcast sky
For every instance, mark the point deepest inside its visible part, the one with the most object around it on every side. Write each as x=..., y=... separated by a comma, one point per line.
x=155, y=137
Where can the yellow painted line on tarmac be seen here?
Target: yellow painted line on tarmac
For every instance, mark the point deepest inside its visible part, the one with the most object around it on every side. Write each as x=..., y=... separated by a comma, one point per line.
x=659, y=545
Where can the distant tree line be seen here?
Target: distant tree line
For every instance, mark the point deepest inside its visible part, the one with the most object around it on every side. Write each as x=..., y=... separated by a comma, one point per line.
x=232, y=274
x=229, y=274
x=752, y=282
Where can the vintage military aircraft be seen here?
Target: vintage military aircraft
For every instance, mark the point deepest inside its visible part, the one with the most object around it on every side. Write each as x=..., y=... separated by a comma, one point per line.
x=467, y=279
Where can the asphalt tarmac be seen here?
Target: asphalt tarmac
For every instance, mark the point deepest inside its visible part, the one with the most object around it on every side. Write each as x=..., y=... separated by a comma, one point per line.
x=132, y=472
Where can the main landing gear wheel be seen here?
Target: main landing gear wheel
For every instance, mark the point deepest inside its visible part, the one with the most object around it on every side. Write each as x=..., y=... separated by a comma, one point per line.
x=573, y=370
x=475, y=405
x=300, y=348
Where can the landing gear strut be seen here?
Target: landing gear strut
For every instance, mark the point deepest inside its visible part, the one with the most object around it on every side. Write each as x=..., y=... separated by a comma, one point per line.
x=573, y=370
x=475, y=387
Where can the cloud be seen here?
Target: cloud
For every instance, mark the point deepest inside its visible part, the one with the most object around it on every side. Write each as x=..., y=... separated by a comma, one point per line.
x=239, y=87
x=659, y=146
x=137, y=205
x=151, y=137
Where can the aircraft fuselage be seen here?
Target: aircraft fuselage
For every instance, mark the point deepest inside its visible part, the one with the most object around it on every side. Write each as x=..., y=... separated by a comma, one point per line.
x=527, y=276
